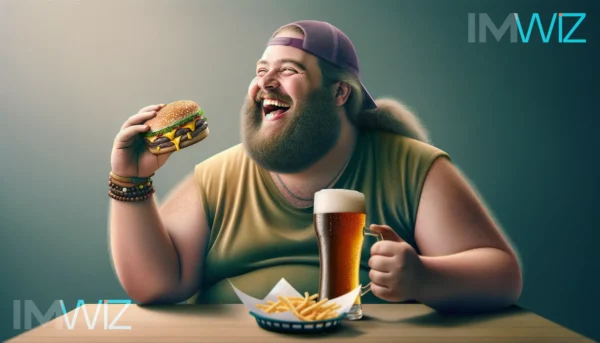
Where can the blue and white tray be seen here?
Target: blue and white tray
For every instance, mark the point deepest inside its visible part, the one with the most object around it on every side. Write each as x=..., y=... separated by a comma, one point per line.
x=277, y=325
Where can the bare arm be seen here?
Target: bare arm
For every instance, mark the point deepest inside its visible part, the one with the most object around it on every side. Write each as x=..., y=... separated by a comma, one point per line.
x=468, y=264
x=158, y=252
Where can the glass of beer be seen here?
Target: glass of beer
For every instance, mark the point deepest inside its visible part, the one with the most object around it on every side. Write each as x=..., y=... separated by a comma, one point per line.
x=339, y=220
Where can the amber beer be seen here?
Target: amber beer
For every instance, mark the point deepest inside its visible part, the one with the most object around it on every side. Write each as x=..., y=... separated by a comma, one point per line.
x=339, y=220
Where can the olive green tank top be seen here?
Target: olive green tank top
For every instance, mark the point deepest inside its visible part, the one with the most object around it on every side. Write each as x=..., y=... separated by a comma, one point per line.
x=257, y=237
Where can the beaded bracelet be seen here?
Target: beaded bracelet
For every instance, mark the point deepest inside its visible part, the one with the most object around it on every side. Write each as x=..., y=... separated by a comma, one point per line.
x=130, y=198
x=121, y=190
x=135, y=190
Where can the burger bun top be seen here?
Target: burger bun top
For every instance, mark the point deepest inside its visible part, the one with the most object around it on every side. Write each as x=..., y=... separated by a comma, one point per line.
x=172, y=113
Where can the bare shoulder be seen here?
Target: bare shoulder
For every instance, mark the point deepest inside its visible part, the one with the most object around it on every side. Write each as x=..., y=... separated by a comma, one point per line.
x=452, y=216
x=443, y=173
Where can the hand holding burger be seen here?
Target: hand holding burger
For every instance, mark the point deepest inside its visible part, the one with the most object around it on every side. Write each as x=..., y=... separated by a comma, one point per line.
x=149, y=137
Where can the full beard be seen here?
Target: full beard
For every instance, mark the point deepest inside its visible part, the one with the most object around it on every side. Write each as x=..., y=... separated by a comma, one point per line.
x=309, y=132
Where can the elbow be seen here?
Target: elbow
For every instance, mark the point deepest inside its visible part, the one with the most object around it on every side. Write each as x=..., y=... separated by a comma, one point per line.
x=506, y=287
x=144, y=295
x=143, y=298
x=167, y=294
x=497, y=291
x=147, y=293
x=152, y=297
x=514, y=280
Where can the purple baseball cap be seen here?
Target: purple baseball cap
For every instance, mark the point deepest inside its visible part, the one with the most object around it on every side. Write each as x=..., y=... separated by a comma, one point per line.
x=329, y=43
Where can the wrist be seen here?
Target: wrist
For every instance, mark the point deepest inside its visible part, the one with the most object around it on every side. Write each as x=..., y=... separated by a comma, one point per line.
x=425, y=280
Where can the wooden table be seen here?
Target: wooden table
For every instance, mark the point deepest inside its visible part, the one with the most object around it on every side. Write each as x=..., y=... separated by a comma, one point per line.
x=232, y=323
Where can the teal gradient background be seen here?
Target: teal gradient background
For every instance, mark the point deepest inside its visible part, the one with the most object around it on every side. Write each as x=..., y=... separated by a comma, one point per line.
x=519, y=119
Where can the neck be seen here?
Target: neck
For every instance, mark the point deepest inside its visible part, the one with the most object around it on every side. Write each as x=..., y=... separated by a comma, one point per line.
x=322, y=174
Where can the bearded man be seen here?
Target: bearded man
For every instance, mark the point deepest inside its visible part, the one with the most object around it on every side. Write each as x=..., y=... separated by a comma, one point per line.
x=245, y=215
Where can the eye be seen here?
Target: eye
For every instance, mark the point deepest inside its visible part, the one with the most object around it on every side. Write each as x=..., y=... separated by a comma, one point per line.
x=288, y=70
x=261, y=71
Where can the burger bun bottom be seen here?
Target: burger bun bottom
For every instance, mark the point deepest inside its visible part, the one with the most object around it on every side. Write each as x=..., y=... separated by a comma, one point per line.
x=182, y=145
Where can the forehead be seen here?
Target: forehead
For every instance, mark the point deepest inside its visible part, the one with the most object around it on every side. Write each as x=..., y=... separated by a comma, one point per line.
x=275, y=53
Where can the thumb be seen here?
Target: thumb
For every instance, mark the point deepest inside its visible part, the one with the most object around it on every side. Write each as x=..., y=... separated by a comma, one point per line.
x=387, y=232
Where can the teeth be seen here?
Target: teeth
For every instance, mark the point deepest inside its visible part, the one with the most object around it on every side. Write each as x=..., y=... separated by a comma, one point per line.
x=269, y=116
x=267, y=102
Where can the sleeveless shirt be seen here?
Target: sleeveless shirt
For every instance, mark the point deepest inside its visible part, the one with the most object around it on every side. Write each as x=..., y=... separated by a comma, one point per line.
x=256, y=237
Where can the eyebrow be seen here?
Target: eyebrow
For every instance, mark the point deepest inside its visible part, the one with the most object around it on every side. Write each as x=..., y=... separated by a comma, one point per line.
x=284, y=60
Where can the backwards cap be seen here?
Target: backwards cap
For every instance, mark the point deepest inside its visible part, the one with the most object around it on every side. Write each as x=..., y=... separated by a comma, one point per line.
x=329, y=43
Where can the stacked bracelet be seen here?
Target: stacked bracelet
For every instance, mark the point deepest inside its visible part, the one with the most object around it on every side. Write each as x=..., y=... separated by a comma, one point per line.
x=134, y=179
x=129, y=188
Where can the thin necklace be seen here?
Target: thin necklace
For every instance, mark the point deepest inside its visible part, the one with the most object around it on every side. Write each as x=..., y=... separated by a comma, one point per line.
x=328, y=185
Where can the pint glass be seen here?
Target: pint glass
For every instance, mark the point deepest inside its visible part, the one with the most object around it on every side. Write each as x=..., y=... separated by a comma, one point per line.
x=339, y=220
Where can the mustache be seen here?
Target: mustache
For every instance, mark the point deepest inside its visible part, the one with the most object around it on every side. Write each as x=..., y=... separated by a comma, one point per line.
x=260, y=95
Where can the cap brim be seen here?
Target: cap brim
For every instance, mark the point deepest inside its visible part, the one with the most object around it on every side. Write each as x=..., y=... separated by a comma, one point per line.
x=369, y=102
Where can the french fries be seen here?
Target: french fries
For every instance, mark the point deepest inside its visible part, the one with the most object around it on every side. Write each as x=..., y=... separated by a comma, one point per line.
x=305, y=309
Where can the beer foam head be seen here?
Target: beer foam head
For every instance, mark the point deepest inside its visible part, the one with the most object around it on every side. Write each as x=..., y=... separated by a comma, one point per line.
x=339, y=200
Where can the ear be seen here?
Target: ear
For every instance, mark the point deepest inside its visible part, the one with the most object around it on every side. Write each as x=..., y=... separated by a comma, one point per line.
x=342, y=92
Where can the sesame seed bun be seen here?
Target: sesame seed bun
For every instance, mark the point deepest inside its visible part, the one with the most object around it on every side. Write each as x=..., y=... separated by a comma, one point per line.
x=171, y=114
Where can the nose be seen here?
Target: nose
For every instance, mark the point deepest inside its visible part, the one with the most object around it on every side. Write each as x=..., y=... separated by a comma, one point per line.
x=268, y=81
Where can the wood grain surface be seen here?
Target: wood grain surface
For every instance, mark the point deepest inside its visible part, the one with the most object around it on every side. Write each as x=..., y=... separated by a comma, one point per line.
x=232, y=323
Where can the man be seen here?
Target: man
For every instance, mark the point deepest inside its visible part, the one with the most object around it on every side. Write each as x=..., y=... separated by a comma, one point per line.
x=245, y=215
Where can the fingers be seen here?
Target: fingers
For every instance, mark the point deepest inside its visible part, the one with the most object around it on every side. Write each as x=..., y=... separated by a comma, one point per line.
x=387, y=232
x=382, y=292
x=138, y=119
x=384, y=248
x=143, y=115
x=382, y=263
x=380, y=278
x=126, y=134
x=152, y=108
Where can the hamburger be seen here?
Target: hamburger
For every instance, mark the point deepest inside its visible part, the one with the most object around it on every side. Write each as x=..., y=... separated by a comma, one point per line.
x=178, y=125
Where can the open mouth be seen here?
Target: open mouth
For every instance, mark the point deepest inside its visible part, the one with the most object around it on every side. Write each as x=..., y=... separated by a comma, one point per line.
x=274, y=109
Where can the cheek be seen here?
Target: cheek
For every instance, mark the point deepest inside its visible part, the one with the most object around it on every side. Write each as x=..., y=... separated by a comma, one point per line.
x=296, y=89
x=253, y=88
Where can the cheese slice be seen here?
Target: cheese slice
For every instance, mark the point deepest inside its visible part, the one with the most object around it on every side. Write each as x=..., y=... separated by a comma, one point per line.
x=176, y=142
x=191, y=125
x=171, y=135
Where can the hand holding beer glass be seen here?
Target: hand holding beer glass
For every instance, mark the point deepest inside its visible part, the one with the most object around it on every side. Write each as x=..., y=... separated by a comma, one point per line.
x=339, y=219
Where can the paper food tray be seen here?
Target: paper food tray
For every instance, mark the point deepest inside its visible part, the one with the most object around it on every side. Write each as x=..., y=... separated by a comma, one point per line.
x=287, y=321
